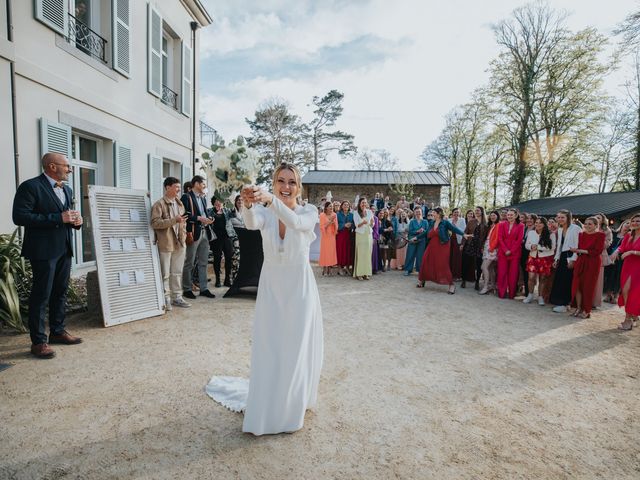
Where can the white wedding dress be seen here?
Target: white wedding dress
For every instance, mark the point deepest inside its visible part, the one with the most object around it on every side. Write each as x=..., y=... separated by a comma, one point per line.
x=287, y=348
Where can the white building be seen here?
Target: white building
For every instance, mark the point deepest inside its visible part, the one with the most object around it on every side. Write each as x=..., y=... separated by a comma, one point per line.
x=109, y=83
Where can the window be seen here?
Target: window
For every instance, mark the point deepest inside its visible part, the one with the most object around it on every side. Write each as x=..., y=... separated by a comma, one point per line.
x=87, y=28
x=169, y=95
x=87, y=170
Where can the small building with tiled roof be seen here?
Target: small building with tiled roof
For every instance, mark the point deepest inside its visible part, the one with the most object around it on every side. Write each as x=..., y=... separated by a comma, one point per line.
x=616, y=206
x=347, y=184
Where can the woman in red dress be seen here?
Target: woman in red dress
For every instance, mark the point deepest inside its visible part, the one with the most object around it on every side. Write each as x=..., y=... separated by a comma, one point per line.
x=510, y=234
x=435, y=262
x=344, y=239
x=587, y=267
x=629, y=251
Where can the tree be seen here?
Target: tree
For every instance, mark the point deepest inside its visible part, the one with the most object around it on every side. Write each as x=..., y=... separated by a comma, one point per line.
x=444, y=155
x=567, y=110
x=528, y=39
x=328, y=110
x=279, y=136
x=376, y=159
x=614, y=149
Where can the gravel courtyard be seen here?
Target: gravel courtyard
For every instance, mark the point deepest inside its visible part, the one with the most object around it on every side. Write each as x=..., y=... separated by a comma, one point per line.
x=416, y=384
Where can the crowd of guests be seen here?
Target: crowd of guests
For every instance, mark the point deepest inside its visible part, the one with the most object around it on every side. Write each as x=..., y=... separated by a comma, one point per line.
x=559, y=261
x=188, y=233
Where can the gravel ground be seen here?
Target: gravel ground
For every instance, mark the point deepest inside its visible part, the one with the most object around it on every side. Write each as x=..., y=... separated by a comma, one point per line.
x=416, y=384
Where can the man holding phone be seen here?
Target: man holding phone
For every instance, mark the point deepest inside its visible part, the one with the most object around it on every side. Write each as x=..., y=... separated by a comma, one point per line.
x=43, y=206
x=168, y=220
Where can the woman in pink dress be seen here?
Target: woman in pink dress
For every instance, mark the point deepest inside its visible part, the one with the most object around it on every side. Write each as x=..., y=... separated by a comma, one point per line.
x=328, y=230
x=629, y=251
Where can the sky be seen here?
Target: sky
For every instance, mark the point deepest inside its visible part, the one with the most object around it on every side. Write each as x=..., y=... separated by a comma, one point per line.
x=402, y=65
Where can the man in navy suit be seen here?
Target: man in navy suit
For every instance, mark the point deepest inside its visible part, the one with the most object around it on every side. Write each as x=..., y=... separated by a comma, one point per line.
x=42, y=205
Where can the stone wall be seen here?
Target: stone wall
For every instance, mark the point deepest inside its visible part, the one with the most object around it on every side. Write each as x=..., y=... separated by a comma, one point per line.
x=348, y=192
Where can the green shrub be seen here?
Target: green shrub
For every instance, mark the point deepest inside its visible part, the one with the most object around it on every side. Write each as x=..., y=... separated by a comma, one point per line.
x=15, y=285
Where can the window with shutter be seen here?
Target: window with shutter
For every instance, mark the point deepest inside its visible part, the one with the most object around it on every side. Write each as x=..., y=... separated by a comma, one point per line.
x=55, y=138
x=122, y=163
x=122, y=36
x=54, y=14
x=154, y=73
x=156, y=188
x=186, y=79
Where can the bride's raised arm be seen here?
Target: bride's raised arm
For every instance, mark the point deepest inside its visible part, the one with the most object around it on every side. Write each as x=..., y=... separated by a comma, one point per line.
x=253, y=217
x=305, y=220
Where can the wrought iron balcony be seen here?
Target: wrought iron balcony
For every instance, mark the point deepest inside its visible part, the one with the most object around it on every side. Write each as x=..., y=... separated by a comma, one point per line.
x=169, y=97
x=87, y=40
x=208, y=135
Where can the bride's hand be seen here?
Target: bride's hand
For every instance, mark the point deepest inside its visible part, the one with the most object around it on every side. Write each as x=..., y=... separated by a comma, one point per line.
x=247, y=195
x=262, y=196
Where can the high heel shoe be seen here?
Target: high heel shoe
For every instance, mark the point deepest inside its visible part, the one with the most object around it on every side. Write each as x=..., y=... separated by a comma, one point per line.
x=420, y=285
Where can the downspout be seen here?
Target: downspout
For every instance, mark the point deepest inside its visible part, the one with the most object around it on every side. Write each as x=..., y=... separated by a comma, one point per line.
x=194, y=27
x=14, y=119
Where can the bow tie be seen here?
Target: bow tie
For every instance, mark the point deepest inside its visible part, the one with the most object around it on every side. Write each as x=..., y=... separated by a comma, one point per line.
x=58, y=185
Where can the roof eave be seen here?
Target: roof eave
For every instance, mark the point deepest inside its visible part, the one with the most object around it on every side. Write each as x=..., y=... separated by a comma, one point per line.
x=198, y=12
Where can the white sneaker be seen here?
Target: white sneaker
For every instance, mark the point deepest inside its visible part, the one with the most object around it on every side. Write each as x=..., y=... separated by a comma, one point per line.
x=179, y=302
x=541, y=301
x=529, y=298
x=560, y=309
x=167, y=304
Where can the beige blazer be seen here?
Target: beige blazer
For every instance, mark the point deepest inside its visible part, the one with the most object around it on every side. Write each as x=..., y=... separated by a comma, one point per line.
x=162, y=222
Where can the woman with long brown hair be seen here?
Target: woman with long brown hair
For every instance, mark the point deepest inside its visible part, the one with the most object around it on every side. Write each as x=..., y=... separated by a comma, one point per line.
x=328, y=231
x=344, y=238
x=468, y=264
x=541, y=246
x=587, y=267
x=510, y=235
x=629, y=251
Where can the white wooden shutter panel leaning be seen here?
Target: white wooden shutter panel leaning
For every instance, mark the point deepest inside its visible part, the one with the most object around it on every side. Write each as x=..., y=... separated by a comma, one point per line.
x=186, y=173
x=186, y=79
x=55, y=138
x=156, y=188
x=154, y=69
x=122, y=163
x=121, y=12
x=54, y=14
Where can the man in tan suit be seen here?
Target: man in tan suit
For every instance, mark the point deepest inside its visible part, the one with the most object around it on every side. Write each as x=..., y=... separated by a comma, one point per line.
x=168, y=222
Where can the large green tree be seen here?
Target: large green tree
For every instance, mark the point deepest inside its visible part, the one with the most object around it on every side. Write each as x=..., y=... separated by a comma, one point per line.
x=279, y=136
x=527, y=40
x=323, y=138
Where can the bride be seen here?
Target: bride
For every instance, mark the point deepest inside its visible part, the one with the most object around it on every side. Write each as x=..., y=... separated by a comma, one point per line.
x=287, y=348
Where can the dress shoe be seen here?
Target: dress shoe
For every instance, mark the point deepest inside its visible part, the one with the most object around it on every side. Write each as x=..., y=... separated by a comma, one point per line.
x=42, y=350
x=188, y=294
x=65, y=338
x=207, y=293
x=227, y=283
x=218, y=284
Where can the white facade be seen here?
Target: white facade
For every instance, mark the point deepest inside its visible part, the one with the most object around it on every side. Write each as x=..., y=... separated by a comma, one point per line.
x=116, y=99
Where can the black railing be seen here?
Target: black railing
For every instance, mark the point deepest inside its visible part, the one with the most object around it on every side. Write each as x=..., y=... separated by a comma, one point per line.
x=208, y=135
x=87, y=40
x=169, y=97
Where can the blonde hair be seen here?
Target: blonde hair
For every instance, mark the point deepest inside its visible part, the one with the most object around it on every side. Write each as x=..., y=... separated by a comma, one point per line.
x=296, y=174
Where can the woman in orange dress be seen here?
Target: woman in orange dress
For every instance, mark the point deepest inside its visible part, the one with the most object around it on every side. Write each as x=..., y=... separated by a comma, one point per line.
x=587, y=267
x=629, y=251
x=328, y=231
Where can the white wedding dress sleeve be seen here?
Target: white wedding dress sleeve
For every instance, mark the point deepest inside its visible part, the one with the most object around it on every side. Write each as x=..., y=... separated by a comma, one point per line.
x=287, y=347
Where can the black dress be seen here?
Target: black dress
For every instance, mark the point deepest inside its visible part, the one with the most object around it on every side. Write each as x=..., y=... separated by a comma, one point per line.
x=612, y=272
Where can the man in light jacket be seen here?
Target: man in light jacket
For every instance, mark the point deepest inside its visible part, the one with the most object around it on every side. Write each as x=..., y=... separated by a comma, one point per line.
x=168, y=222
